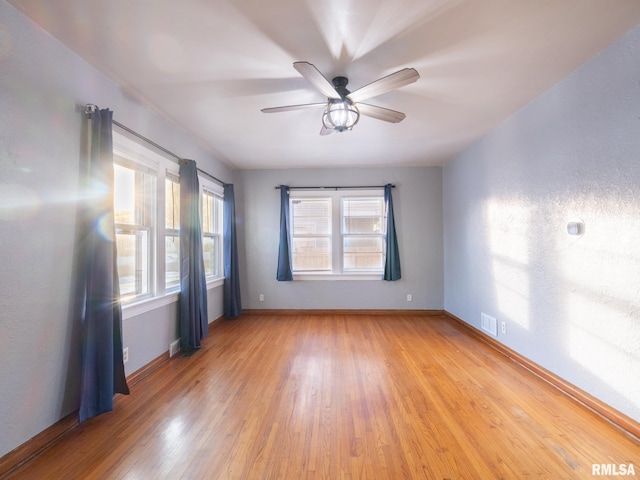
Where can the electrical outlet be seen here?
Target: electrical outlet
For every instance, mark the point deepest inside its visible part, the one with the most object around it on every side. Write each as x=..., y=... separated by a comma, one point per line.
x=409, y=297
x=503, y=327
x=125, y=354
x=262, y=297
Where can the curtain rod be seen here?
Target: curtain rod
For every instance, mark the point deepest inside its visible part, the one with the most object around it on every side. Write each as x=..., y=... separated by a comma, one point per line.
x=89, y=109
x=337, y=188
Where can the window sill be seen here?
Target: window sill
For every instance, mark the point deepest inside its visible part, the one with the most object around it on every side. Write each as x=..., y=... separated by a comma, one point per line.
x=134, y=309
x=337, y=276
x=215, y=282
x=149, y=304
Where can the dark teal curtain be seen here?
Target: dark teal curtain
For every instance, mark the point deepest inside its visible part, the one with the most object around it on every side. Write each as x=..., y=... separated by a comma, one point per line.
x=232, y=303
x=392, y=257
x=102, y=367
x=284, y=273
x=194, y=319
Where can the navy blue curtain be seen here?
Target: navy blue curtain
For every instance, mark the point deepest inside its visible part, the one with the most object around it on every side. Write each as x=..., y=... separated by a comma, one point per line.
x=392, y=258
x=194, y=319
x=284, y=273
x=101, y=315
x=232, y=303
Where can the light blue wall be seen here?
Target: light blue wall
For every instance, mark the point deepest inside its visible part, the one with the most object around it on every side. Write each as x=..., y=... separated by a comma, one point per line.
x=148, y=335
x=417, y=201
x=43, y=88
x=571, y=304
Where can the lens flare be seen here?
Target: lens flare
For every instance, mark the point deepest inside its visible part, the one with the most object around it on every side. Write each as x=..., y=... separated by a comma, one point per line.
x=105, y=228
x=18, y=202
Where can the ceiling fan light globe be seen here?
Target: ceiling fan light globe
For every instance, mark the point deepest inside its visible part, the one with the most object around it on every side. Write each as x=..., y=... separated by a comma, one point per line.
x=340, y=115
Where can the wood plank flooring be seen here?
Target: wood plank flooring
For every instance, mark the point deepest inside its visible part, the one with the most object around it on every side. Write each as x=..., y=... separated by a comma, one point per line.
x=339, y=397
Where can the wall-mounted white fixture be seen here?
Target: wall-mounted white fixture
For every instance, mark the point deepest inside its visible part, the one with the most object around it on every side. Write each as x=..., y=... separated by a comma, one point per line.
x=575, y=227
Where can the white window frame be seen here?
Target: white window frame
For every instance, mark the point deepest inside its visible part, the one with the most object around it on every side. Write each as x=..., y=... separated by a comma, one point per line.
x=337, y=270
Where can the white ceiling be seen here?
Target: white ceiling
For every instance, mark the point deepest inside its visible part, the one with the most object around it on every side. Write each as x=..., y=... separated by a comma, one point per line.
x=209, y=66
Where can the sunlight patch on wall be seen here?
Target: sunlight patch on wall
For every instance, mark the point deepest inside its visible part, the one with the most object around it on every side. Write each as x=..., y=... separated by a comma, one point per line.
x=509, y=227
x=601, y=340
x=602, y=270
x=604, y=261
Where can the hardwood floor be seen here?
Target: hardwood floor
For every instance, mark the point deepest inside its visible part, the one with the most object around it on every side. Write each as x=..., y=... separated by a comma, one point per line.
x=339, y=397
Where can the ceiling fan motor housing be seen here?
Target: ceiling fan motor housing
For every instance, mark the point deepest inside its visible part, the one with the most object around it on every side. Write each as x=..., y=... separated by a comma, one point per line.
x=340, y=84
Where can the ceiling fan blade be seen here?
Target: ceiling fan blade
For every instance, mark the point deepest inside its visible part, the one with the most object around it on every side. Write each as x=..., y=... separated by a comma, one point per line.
x=385, y=84
x=293, y=107
x=313, y=75
x=380, y=113
x=326, y=131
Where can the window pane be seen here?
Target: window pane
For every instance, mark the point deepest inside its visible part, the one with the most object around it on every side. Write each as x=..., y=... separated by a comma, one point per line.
x=172, y=203
x=217, y=214
x=362, y=215
x=311, y=216
x=211, y=213
x=124, y=195
x=207, y=251
x=172, y=261
x=133, y=203
x=363, y=229
x=133, y=262
x=311, y=230
x=211, y=233
x=309, y=253
x=211, y=249
x=363, y=253
x=355, y=225
x=207, y=212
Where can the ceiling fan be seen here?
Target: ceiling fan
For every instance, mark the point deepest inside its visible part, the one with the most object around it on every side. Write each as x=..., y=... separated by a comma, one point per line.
x=343, y=108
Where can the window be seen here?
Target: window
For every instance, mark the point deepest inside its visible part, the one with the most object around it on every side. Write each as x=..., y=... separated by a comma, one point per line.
x=147, y=218
x=363, y=234
x=134, y=189
x=339, y=233
x=172, y=231
x=311, y=234
x=212, y=233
